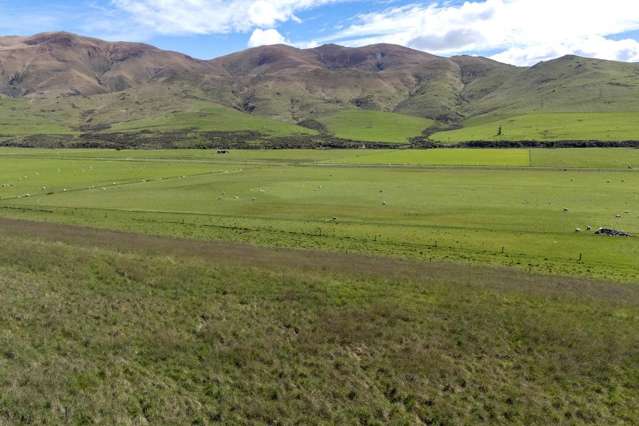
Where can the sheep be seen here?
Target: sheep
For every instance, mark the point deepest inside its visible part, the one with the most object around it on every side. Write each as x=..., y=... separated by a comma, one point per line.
x=578, y=230
x=588, y=227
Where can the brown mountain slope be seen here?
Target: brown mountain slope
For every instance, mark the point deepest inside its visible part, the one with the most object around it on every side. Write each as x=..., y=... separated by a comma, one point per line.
x=66, y=64
x=279, y=81
x=292, y=84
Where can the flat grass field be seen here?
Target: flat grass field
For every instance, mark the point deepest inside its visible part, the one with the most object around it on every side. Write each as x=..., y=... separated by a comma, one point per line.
x=318, y=287
x=555, y=126
x=502, y=207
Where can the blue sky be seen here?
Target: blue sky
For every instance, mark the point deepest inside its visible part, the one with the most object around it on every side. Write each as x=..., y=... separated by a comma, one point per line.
x=521, y=32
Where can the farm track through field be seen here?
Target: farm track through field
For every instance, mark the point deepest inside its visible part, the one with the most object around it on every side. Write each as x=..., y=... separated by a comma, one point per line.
x=323, y=262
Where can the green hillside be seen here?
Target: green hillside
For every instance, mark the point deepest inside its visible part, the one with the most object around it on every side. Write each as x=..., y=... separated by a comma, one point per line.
x=211, y=117
x=566, y=84
x=375, y=126
x=20, y=117
x=131, y=111
x=612, y=126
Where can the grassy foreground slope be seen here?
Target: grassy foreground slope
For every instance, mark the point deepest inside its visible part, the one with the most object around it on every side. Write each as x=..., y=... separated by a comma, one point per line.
x=557, y=126
x=375, y=126
x=99, y=336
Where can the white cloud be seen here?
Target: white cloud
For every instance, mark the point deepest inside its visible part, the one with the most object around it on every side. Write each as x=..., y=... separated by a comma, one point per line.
x=521, y=31
x=262, y=37
x=213, y=16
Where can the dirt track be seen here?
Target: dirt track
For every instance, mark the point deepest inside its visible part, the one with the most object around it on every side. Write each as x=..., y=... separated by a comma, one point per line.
x=241, y=254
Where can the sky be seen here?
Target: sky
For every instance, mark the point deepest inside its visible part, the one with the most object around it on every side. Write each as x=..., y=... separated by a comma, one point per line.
x=520, y=32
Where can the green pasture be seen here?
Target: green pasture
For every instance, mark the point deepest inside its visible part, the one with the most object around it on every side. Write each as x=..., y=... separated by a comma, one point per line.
x=38, y=176
x=510, y=216
x=589, y=158
x=206, y=116
x=375, y=126
x=440, y=157
x=601, y=126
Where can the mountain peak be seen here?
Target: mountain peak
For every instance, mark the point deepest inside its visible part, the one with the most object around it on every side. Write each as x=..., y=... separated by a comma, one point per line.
x=59, y=38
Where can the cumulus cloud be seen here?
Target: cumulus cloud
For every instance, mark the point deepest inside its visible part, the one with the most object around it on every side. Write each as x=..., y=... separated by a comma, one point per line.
x=520, y=31
x=262, y=37
x=454, y=39
x=213, y=16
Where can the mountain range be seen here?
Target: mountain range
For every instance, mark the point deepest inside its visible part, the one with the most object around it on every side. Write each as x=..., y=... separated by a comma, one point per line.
x=61, y=83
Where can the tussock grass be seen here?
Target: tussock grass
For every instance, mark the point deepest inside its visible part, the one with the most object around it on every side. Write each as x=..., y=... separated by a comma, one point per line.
x=97, y=336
